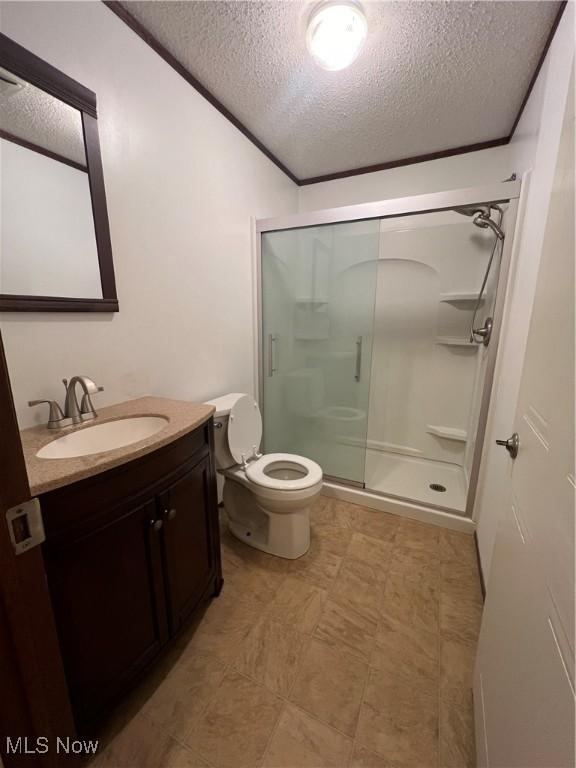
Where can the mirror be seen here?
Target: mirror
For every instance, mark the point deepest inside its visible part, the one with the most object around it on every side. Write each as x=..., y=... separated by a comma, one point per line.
x=47, y=238
x=55, y=251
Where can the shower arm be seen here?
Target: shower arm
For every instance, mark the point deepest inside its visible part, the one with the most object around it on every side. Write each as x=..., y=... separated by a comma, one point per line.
x=486, y=331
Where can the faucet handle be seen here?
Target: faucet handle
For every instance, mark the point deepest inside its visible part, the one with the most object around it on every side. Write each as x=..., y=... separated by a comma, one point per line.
x=86, y=407
x=56, y=417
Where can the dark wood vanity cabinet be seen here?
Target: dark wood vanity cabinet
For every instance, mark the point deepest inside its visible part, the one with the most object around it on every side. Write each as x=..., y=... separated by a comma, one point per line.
x=130, y=555
x=188, y=554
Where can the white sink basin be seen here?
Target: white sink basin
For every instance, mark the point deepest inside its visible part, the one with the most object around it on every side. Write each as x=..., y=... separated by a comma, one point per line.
x=103, y=437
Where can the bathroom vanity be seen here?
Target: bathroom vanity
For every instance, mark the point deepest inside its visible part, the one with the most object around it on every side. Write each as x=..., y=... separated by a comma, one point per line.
x=132, y=548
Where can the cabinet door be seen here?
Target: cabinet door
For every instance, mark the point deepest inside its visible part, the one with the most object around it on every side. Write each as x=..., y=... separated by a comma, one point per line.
x=189, y=514
x=108, y=597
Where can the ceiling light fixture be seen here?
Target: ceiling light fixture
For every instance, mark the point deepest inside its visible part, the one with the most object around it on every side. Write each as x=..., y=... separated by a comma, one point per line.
x=336, y=33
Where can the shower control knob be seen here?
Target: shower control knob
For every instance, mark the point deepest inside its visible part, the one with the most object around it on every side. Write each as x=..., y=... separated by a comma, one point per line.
x=484, y=333
x=511, y=445
x=156, y=525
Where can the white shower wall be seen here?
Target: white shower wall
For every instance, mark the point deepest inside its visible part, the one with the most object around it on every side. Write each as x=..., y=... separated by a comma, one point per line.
x=425, y=377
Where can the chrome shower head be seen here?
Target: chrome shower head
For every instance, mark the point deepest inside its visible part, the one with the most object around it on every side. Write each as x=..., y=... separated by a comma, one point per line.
x=484, y=221
x=482, y=217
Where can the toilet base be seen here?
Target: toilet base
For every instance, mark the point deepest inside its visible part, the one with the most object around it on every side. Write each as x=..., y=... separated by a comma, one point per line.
x=283, y=534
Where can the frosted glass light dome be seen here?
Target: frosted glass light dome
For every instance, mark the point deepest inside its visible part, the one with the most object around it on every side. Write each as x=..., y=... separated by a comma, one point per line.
x=336, y=33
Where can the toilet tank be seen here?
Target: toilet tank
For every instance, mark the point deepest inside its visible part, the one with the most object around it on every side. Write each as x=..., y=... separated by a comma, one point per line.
x=224, y=458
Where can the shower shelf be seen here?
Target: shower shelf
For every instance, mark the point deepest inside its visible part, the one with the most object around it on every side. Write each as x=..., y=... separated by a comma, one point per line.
x=456, y=297
x=449, y=433
x=454, y=341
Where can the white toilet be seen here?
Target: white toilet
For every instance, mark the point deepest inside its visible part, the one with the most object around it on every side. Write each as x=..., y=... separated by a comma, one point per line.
x=267, y=498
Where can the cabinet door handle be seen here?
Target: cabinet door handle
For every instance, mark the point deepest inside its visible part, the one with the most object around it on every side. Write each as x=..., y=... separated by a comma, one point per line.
x=156, y=525
x=170, y=514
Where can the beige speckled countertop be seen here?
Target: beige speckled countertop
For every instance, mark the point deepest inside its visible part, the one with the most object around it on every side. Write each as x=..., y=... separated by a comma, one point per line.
x=47, y=474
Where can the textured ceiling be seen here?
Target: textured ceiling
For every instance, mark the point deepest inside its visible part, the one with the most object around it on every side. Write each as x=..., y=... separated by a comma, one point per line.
x=36, y=116
x=432, y=76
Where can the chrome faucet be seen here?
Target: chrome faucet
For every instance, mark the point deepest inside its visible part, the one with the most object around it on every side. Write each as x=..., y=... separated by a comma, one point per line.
x=73, y=413
x=85, y=411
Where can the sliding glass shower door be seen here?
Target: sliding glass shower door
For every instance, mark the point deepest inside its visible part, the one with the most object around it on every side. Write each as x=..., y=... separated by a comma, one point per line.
x=379, y=339
x=318, y=289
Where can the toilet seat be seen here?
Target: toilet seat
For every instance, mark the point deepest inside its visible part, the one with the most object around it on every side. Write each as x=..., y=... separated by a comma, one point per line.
x=275, y=471
x=267, y=472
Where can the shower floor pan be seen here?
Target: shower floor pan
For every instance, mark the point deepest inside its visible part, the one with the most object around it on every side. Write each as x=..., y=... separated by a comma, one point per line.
x=415, y=479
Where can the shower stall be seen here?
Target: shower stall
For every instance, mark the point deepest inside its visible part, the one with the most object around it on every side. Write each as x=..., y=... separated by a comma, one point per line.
x=378, y=329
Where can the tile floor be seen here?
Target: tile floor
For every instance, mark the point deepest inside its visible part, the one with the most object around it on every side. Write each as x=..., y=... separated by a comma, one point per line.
x=358, y=655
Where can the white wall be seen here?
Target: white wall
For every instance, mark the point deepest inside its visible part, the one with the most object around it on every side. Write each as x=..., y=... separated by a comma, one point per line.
x=534, y=148
x=182, y=184
x=47, y=239
x=469, y=170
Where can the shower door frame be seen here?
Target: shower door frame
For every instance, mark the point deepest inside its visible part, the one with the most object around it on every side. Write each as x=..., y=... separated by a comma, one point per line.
x=502, y=192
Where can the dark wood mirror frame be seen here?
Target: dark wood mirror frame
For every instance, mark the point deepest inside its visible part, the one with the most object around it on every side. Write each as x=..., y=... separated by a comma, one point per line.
x=34, y=70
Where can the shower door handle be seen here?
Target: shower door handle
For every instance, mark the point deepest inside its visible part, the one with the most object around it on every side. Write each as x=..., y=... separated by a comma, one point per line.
x=272, y=339
x=358, y=370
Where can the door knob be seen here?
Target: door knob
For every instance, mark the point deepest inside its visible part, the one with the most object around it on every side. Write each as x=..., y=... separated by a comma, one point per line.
x=511, y=445
x=156, y=525
x=169, y=514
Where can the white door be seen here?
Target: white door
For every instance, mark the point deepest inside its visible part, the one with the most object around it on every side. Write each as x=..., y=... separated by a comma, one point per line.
x=524, y=679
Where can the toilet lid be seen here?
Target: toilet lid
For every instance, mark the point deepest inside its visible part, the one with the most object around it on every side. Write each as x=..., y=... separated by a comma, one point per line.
x=244, y=428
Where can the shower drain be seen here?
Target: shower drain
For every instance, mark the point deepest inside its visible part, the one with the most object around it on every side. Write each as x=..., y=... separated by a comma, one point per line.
x=438, y=487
